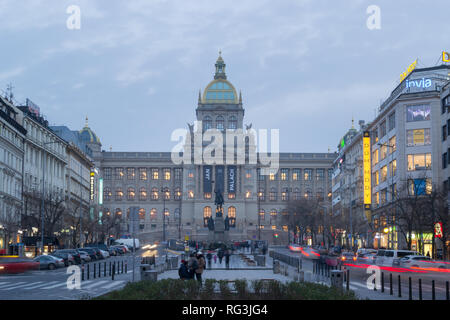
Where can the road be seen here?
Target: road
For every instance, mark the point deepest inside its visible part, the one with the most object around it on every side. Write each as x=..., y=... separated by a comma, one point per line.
x=52, y=284
x=359, y=276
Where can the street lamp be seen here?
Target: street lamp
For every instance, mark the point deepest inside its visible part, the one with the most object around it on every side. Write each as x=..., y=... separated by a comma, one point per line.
x=44, y=160
x=164, y=190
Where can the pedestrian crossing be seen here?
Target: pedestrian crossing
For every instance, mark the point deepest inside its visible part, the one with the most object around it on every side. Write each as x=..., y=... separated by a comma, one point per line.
x=49, y=285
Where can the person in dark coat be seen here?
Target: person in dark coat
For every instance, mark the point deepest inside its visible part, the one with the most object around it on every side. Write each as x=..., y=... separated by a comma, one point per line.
x=183, y=271
x=209, y=258
x=227, y=258
x=220, y=254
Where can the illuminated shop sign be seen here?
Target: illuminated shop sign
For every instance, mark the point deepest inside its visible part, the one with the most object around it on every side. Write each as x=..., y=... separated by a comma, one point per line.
x=92, y=185
x=410, y=69
x=422, y=83
x=100, y=191
x=367, y=174
x=445, y=56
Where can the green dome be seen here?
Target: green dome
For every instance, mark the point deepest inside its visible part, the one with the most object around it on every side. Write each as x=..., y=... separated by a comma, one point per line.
x=87, y=135
x=220, y=91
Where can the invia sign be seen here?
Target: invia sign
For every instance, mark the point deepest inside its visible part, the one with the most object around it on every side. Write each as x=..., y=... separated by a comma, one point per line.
x=422, y=83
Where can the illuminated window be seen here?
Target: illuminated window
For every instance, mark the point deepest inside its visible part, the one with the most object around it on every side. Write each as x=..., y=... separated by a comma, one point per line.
x=191, y=174
x=248, y=174
x=376, y=178
x=207, y=212
x=142, y=194
x=166, y=212
x=273, y=214
x=320, y=174
x=118, y=211
x=142, y=174
x=307, y=194
x=383, y=151
x=261, y=194
x=284, y=174
x=419, y=162
x=419, y=137
x=393, y=167
x=155, y=174
x=295, y=174
x=167, y=193
x=307, y=173
x=261, y=227
x=153, y=214
x=119, y=194
x=418, y=113
x=375, y=156
x=285, y=228
x=191, y=194
x=107, y=194
x=419, y=186
x=131, y=194
x=383, y=173
x=261, y=214
x=166, y=174
x=231, y=195
x=274, y=227
x=177, y=194
x=272, y=176
x=248, y=194
x=130, y=173
x=155, y=194
x=392, y=144
x=232, y=216
x=285, y=195
x=142, y=214
x=119, y=173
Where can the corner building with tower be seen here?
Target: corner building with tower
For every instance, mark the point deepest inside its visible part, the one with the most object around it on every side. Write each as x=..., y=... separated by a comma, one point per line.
x=176, y=200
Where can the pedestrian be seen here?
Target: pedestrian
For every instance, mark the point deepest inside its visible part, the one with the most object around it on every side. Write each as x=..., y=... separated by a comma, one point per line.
x=215, y=258
x=183, y=271
x=209, y=258
x=201, y=267
x=192, y=265
x=227, y=259
x=220, y=254
x=428, y=254
x=264, y=250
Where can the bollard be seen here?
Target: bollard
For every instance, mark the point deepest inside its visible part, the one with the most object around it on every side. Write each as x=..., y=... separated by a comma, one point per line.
x=113, y=270
x=433, y=291
x=409, y=289
x=95, y=271
x=399, y=287
x=88, y=272
x=348, y=279
x=420, y=289
x=391, y=292
x=126, y=266
x=82, y=272
x=447, y=291
x=110, y=268
x=99, y=270
x=382, y=282
x=104, y=269
x=122, y=266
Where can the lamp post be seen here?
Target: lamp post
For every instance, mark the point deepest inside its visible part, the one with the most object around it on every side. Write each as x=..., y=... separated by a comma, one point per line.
x=163, y=190
x=44, y=159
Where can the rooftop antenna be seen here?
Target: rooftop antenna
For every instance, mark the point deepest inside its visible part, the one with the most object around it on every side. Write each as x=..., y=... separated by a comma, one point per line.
x=9, y=92
x=110, y=148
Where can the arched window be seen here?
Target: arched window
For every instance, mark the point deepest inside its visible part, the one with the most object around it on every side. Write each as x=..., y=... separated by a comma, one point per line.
x=118, y=212
x=153, y=214
x=262, y=214
x=167, y=193
x=206, y=214
x=177, y=194
x=232, y=216
x=119, y=194
x=261, y=194
x=155, y=194
x=107, y=194
x=232, y=123
x=273, y=215
x=285, y=194
x=107, y=212
x=131, y=194
x=308, y=194
x=142, y=214
x=143, y=194
x=220, y=123
x=207, y=123
x=177, y=213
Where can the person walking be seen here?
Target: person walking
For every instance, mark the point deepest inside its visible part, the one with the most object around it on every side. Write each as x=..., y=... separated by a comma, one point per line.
x=220, y=254
x=209, y=258
x=201, y=267
x=227, y=259
x=183, y=271
x=215, y=258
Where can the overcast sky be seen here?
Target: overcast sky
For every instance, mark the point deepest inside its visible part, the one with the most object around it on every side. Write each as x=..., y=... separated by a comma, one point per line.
x=135, y=67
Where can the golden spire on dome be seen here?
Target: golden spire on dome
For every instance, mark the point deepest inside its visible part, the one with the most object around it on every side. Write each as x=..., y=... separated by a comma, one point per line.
x=87, y=124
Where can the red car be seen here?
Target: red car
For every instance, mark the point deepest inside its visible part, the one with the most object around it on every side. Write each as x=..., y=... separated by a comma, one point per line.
x=17, y=265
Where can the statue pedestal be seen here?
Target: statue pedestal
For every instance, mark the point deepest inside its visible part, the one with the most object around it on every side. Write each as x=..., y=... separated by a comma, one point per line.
x=219, y=234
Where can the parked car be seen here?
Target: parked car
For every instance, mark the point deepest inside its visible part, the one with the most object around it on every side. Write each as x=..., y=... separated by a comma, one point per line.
x=112, y=251
x=67, y=257
x=74, y=252
x=91, y=252
x=392, y=257
x=123, y=248
x=105, y=254
x=347, y=257
x=85, y=257
x=49, y=262
x=97, y=252
x=422, y=262
x=367, y=257
x=17, y=265
x=119, y=250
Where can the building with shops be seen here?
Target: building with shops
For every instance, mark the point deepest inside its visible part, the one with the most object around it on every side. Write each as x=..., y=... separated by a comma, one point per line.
x=176, y=199
x=12, y=139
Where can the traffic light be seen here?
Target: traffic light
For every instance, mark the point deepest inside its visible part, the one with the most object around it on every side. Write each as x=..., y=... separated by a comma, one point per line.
x=276, y=235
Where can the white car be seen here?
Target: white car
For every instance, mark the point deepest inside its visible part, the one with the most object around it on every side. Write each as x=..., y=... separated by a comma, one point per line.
x=104, y=253
x=422, y=262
